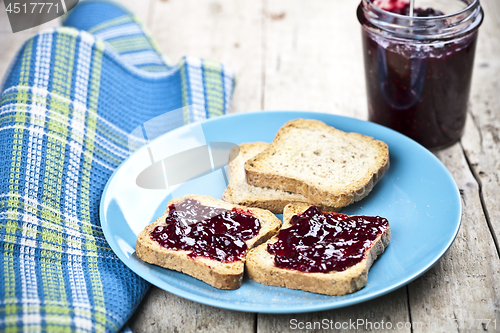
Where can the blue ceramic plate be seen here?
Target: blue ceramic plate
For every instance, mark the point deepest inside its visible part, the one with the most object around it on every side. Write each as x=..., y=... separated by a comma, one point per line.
x=417, y=195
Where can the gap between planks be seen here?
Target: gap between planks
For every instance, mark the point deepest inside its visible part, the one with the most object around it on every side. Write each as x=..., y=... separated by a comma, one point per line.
x=481, y=198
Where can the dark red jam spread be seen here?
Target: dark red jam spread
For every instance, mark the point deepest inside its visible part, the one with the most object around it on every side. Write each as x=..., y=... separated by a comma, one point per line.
x=324, y=242
x=209, y=232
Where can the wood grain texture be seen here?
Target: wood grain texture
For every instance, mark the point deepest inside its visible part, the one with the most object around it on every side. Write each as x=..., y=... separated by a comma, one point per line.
x=226, y=31
x=481, y=140
x=161, y=312
x=390, y=308
x=313, y=57
x=465, y=284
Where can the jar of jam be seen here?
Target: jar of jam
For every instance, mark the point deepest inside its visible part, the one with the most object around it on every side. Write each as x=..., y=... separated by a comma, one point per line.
x=419, y=68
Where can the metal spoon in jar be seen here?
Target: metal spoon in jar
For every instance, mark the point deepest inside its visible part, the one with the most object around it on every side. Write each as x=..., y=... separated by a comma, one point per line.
x=412, y=5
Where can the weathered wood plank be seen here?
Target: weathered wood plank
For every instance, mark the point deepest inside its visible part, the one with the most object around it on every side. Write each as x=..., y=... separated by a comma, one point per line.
x=464, y=285
x=225, y=31
x=313, y=58
x=384, y=313
x=163, y=312
x=481, y=140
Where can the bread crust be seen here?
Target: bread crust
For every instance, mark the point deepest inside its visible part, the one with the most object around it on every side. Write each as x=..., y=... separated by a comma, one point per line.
x=215, y=273
x=241, y=193
x=260, y=266
x=265, y=171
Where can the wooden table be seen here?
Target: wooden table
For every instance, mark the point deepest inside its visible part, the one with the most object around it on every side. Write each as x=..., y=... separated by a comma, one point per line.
x=306, y=55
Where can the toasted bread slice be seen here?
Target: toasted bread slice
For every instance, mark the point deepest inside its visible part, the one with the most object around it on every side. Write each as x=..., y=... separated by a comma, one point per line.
x=217, y=274
x=241, y=193
x=260, y=266
x=329, y=167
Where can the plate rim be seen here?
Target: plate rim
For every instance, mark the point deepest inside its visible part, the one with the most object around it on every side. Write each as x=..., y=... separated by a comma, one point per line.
x=152, y=279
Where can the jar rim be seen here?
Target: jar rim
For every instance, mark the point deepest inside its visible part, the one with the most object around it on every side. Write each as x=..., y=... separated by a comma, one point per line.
x=474, y=3
x=435, y=27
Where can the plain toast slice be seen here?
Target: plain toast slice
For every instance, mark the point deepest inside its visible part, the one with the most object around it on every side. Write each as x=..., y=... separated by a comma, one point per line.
x=241, y=193
x=216, y=273
x=261, y=268
x=329, y=167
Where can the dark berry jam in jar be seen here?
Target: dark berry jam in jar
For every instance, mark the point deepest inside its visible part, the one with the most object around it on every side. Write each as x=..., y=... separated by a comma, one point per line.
x=419, y=69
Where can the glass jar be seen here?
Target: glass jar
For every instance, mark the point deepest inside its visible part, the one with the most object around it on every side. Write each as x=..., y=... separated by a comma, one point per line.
x=419, y=69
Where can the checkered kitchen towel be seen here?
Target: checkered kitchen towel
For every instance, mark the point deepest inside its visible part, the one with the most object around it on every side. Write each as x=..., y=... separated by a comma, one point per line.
x=67, y=106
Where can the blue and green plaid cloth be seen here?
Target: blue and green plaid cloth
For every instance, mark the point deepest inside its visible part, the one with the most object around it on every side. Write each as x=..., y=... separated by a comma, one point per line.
x=68, y=104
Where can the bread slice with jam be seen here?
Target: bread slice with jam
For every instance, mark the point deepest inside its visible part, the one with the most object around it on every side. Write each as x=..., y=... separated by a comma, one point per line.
x=196, y=236
x=327, y=166
x=321, y=252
